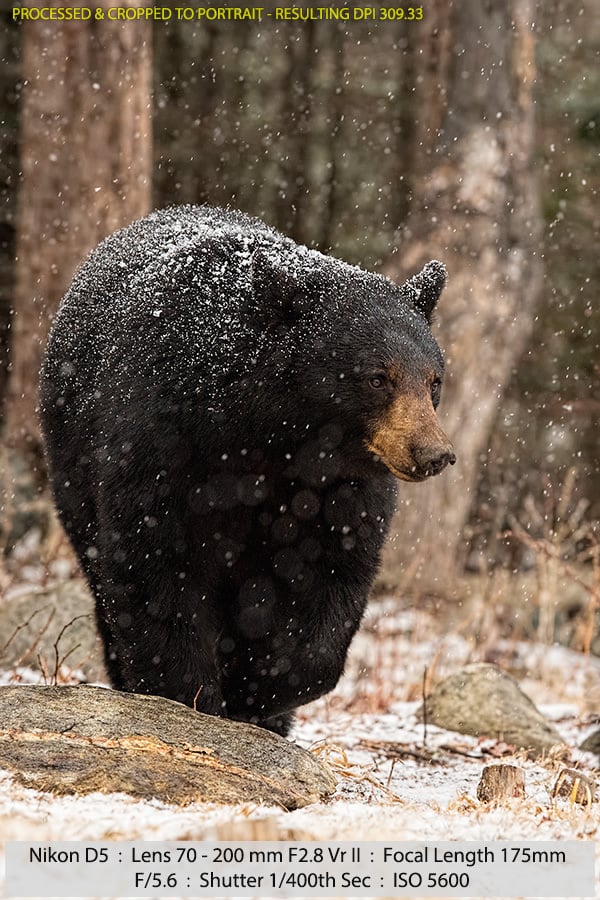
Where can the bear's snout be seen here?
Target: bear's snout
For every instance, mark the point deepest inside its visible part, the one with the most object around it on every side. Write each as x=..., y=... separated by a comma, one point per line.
x=409, y=440
x=433, y=459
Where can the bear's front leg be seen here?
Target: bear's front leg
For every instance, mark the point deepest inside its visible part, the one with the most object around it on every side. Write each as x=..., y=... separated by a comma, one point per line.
x=156, y=602
x=296, y=663
x=149, y=653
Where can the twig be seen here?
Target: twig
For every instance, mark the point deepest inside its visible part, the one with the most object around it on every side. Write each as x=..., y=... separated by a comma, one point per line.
x=449, y=749
x=43, y=668
x=57, y=660
x=425, y=707
x=392, y=767
x=396, y=751
x=19, y=628
x=196, y=695
x=38, y=638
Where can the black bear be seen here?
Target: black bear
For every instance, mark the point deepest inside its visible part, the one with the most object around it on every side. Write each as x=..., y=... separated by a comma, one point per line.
x=224, y=412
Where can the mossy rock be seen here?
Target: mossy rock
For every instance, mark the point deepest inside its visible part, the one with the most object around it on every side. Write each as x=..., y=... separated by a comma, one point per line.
x=483, y=701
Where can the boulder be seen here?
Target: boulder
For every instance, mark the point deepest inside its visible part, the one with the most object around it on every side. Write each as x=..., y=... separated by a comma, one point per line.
x=483, y=701
x=82, y=739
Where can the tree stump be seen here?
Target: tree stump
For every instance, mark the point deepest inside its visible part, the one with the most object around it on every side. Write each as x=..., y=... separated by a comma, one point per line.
x=500, y=782
x=77, y=740
x=579, y=788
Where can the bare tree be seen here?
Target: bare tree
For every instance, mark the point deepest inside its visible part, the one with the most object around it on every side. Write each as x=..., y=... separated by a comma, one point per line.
x=85, y=170
x=476, y=207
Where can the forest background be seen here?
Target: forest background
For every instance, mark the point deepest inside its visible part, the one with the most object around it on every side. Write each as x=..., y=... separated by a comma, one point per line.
x=471, y=136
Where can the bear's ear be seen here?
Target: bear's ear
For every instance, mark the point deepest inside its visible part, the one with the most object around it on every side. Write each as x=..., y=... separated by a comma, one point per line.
x=425, y=287
x=278, y=291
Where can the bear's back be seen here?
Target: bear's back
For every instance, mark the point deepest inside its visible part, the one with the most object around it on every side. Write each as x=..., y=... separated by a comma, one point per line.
x=176, y=279
x=146, y=258
x=184, y=297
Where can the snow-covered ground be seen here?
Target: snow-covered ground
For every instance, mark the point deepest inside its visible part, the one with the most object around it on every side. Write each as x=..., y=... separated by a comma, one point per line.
x=396, y=782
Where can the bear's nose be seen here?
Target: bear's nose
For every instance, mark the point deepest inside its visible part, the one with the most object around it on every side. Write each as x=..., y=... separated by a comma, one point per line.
x=432, y=460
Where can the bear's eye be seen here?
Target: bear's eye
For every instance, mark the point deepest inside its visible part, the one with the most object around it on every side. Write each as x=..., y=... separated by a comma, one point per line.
x=377, y=381
x=436, y=391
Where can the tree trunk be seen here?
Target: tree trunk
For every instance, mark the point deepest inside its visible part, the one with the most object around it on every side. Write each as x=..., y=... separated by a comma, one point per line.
x=301, y=116
x=86, y=166
x=476, y=207
x=10, y=73
x=335, y=48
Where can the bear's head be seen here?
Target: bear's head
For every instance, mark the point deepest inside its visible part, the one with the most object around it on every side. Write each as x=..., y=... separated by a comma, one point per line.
x=405, y=432
x=359, y=352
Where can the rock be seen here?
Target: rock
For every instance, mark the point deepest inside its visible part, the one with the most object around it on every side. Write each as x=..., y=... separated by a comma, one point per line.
x=81, y=739
x=31, y=624
x=483, y=701
x=591, y=744
x=501, y=781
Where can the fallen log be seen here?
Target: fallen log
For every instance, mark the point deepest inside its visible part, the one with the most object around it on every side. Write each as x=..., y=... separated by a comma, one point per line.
x=82, y=739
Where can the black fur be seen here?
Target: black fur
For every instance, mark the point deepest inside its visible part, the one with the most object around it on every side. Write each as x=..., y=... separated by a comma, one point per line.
x=205, y=404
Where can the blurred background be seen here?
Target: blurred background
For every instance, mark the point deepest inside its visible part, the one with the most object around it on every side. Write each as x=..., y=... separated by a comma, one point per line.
x=471, y=136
